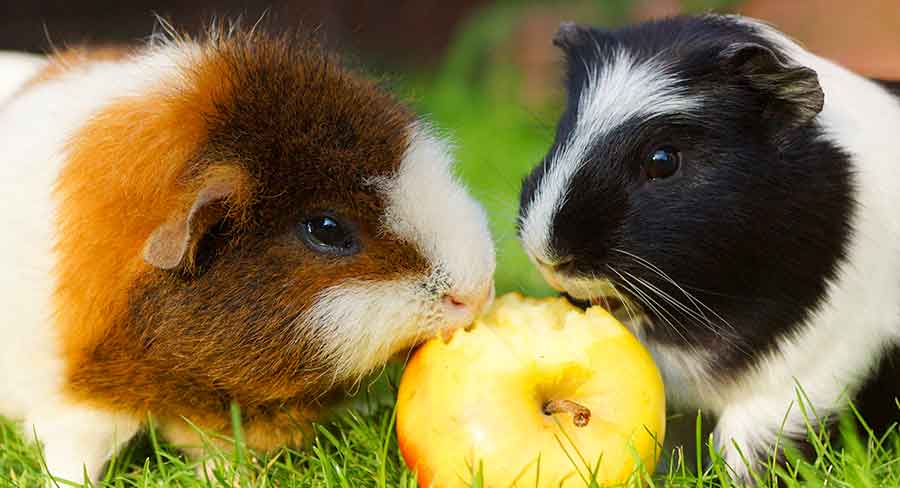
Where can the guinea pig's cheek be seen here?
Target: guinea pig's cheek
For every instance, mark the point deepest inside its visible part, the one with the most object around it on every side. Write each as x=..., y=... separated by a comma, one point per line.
x=389, y=257
x=361, y=324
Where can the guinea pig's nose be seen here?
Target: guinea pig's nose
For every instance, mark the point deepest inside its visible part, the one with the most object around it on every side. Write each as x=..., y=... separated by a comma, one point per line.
x=473, y=301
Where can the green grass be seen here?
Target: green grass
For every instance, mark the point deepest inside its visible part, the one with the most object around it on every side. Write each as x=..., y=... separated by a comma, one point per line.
x=473, y=99
x=358, y=449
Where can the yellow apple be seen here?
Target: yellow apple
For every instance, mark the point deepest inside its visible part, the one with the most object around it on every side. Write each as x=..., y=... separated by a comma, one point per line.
x=536, y=393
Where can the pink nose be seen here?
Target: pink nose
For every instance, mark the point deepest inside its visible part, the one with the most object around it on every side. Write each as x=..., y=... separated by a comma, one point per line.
x=472, y=301
x=456, y=302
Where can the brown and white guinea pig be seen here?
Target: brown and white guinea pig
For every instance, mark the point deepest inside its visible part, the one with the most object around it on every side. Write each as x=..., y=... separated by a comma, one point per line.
x=740, y=194
x=193, y=223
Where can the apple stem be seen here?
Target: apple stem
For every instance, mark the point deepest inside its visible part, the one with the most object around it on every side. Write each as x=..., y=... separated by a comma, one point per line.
x=581, y=415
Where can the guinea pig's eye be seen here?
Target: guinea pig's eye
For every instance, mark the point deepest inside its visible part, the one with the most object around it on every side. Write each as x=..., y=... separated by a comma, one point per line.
x=663, y=162
x=328, y=235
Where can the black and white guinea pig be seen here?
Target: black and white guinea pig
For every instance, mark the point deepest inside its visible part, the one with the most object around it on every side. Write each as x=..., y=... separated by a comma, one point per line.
x=738, y=195
x=192, y=223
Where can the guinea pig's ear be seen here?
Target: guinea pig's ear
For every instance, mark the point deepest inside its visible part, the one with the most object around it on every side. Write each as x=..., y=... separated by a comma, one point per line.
x=583, y=48
x=570, y=36
x=794, y=89
x=173, y=245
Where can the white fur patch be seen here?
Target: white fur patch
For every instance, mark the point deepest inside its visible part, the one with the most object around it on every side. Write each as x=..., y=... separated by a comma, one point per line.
x=430, y=208
x=15, y=70
x=616, y=92
x=78, y=439
x=363, y=324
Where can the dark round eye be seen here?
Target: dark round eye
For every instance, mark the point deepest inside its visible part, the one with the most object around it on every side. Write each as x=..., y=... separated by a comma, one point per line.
x=328, y=235
x=663, y=162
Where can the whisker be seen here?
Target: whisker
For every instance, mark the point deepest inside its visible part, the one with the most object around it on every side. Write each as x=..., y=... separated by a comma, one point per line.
x=709, y=325
x=697, y=302
x=669, y=298
x=652, y=267
x=652, y=304
x=678, y=328
x=625, y=304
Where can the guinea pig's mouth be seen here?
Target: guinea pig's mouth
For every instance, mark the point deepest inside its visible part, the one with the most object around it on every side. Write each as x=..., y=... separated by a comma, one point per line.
x=608, y=303
x=619, y=304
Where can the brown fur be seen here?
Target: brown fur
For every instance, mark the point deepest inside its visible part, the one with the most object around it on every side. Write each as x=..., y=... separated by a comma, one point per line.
x=298, y=134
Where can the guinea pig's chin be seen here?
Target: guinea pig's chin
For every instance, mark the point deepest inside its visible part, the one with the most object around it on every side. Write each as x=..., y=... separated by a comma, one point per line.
x=584, y=289
x=359, y=325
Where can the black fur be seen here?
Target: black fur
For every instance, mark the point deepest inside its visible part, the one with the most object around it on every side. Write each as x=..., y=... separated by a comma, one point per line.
x=878, y=399
x=756, y=220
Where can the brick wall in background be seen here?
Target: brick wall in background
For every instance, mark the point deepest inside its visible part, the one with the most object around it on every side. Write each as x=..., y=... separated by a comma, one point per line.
x=398, y=32
x=863, y=35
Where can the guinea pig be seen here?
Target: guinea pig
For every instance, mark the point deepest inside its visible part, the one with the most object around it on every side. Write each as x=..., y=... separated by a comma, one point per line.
x=193, y=223
x=738, y=196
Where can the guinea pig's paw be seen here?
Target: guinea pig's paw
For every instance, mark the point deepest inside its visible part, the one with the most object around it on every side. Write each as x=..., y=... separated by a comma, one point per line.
x=77, y=441
x=741, y=464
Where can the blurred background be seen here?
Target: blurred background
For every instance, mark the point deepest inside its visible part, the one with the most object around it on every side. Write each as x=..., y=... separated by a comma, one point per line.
x=484, y=71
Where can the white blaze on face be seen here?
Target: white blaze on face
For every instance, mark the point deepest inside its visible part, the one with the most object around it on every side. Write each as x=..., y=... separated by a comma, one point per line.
x=362, y=323
x=617, y=91
x=429, y=207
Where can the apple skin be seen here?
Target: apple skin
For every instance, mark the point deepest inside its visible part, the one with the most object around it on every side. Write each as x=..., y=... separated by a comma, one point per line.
x=478, y=399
